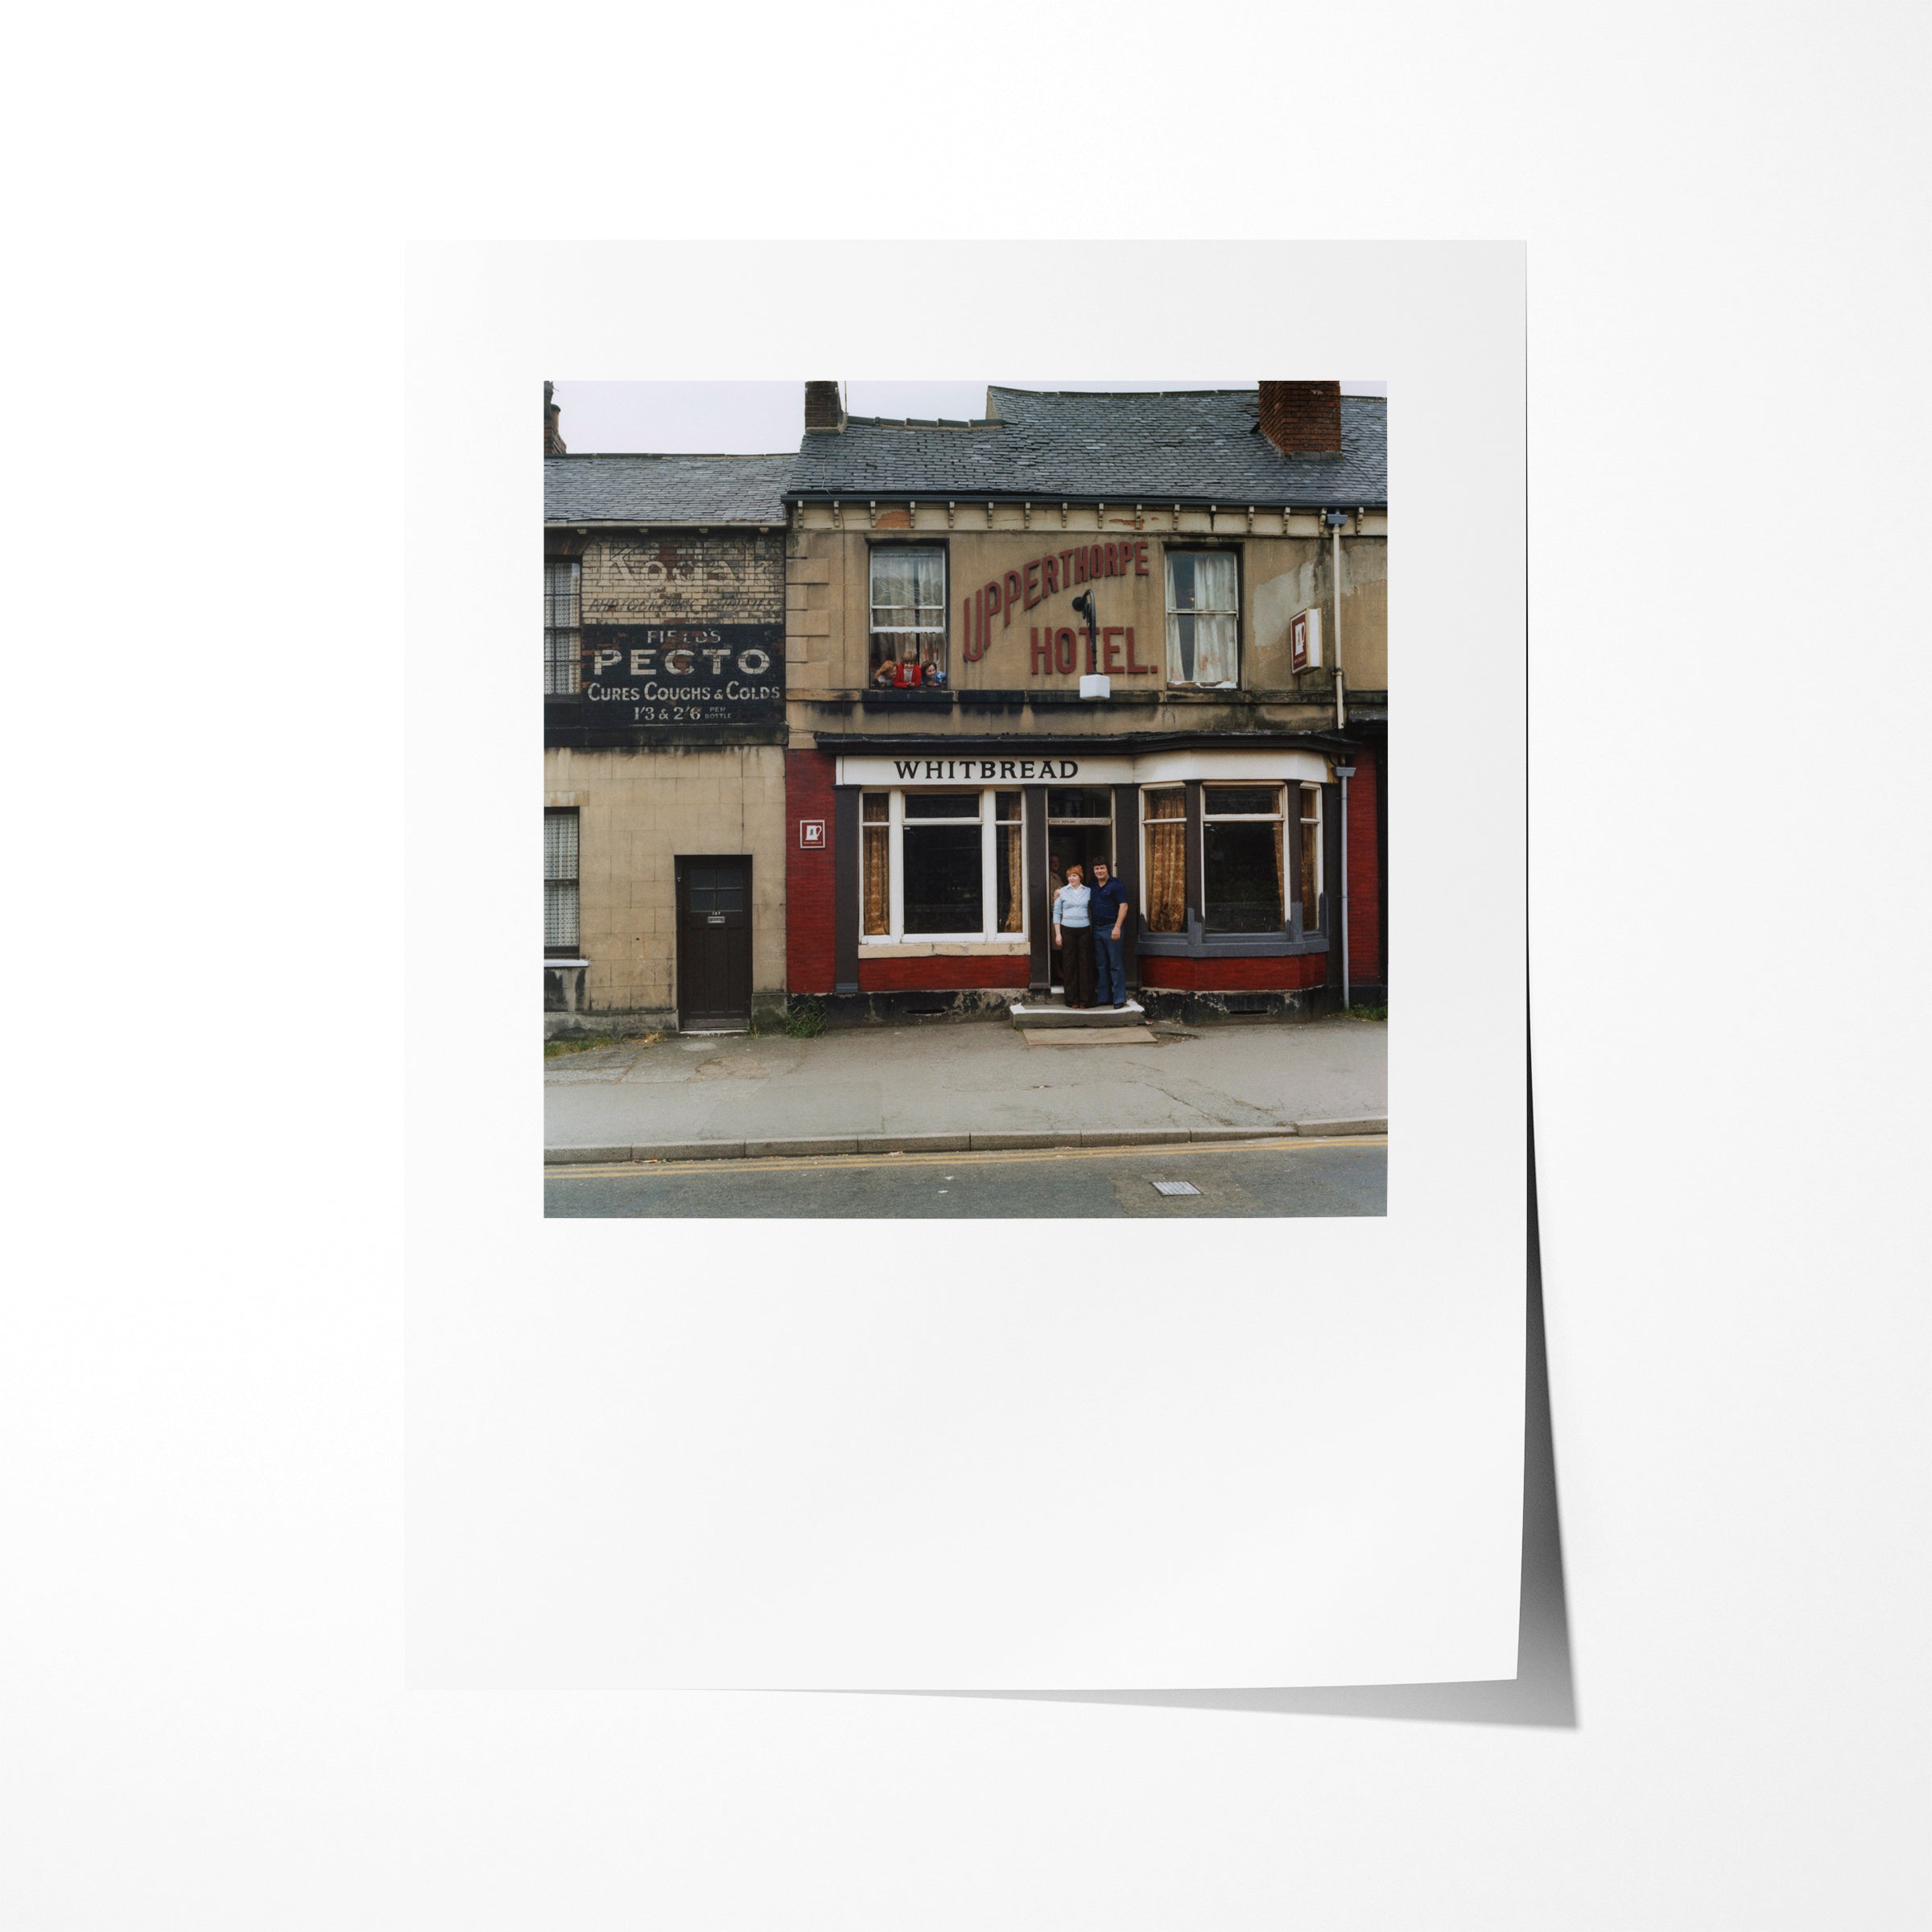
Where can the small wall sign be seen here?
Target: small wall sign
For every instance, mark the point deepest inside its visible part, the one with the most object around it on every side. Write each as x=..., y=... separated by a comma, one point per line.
x=812, y=835
x=1305, y=640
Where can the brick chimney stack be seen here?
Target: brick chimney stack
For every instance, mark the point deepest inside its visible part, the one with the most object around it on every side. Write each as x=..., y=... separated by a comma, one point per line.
x=822, y=408
x=553, y=442
x=1303, y=418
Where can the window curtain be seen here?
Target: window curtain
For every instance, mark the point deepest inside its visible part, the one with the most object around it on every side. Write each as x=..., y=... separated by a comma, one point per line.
x=1311, y=909
x=560, y=926
x=1216, y=651
x=877, y=855
x=908, y=589
x=1203, y=644
x=562, y=579
x=1166, y=861
x=1015, y=904
x=1280, y=889
x=560, y=912
x=560, y=845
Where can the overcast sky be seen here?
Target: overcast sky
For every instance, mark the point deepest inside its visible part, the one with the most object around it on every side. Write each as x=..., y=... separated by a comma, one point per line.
x=751, y=418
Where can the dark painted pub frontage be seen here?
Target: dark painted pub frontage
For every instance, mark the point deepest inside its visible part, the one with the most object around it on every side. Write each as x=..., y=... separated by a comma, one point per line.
x=1150, y=629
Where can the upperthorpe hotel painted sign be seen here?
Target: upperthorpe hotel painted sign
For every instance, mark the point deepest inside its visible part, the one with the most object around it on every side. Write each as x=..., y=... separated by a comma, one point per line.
x=1057, y=649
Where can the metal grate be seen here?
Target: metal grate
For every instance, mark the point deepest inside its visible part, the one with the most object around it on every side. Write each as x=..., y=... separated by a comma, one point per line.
x=1175, y=1187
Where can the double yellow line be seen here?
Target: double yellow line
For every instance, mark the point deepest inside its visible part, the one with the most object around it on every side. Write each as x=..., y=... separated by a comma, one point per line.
x=980, y=1157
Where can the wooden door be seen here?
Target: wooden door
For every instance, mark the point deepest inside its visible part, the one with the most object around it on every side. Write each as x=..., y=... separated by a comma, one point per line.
x=714, y=942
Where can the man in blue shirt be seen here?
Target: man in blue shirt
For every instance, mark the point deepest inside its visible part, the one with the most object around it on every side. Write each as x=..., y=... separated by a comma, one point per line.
x=1107, y=908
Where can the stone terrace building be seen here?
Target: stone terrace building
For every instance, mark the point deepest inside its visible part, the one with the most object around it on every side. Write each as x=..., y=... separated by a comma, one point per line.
x=663, y=730
x=1148, y=627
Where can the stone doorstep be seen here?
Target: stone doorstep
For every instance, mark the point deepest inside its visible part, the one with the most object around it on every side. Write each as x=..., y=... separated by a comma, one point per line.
x=1047, y=1014
x=1088, y=1036
x=805, y=1147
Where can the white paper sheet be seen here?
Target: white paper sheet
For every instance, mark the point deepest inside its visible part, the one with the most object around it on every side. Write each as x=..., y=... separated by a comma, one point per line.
x=917, y=1454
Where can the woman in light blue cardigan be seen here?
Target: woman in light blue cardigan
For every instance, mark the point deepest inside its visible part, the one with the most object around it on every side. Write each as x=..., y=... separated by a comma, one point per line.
x=1076, y=942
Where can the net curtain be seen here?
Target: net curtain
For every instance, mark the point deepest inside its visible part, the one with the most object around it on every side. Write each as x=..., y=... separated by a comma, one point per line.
x=908, y=590
x=1202, y=642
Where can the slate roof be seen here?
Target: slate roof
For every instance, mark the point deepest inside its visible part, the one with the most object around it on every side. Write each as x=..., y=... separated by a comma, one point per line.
x=665, y=489
x=1194, y=446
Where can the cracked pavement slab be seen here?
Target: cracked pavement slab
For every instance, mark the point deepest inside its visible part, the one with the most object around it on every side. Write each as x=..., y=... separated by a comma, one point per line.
x=939, y=1076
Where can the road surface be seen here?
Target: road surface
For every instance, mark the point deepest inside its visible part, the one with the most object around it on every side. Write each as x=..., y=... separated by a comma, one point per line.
x=1265, y=1179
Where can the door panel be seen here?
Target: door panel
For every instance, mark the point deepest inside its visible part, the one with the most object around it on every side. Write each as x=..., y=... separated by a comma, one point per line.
x=714, y=941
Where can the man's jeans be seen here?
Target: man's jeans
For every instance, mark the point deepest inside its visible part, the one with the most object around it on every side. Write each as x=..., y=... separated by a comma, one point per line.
x=1109, y=969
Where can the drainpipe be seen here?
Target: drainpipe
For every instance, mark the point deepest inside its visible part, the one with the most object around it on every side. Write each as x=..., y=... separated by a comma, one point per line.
x=1344, y=772
x=1336, y=519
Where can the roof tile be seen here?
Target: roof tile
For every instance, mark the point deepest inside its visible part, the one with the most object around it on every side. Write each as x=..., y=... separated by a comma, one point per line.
x=665, y=489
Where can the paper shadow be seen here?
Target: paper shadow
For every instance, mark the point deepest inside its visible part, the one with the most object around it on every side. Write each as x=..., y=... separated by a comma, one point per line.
x=1543, y=1690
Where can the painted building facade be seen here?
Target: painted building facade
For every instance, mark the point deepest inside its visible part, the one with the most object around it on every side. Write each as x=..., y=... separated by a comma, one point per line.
x=663, y=738
x=1152, y=629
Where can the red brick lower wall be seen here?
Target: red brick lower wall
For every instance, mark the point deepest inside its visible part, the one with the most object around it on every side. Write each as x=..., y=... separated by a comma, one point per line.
x=1281, y=975
x=946, y=974
x=1364, y=879
x=809, y=914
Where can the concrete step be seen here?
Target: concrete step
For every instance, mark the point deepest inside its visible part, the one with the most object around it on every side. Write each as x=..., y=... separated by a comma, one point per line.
x=1053, y=1013
x=1089, y=1036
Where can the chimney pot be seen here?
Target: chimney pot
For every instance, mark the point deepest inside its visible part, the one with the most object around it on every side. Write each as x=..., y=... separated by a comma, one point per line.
x=553, y=440
x=1303, y=418
x=822, y=408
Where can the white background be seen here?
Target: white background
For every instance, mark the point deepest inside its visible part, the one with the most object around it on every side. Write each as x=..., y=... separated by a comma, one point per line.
x=202, y=1396
x=864, y=1455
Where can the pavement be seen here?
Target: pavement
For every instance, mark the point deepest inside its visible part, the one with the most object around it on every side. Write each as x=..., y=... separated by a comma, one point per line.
x=977, y=1083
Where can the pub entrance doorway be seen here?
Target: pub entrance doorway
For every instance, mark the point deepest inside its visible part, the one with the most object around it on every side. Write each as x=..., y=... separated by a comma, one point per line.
x=714, y=944
x=1079, y=829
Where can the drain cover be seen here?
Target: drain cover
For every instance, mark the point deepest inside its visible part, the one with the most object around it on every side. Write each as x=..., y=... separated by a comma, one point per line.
x=1175, y=1187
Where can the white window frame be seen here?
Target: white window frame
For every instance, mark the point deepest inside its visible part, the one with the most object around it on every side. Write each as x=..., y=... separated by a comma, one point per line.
x=1198, y=549
x=989, y=823
x=574, y=878
x=915, y=631
x=1279, y=817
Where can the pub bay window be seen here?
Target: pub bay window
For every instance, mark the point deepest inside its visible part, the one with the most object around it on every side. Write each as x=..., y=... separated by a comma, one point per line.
x=1241, y=876
x=563, y=621
x=1203, y=614
x=560, y=927
x=908, y=625
x=941, y=865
